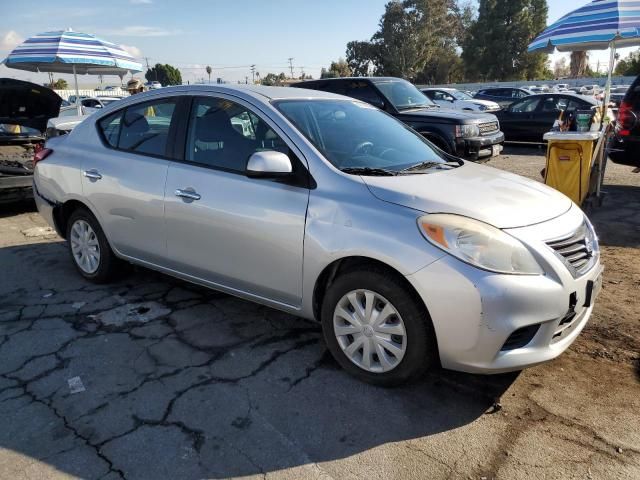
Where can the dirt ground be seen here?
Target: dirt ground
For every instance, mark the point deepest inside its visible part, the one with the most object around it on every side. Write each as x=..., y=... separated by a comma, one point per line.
x=151, y=377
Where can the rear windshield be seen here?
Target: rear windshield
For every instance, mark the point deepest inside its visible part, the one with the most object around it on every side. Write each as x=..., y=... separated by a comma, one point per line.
x=356, y=135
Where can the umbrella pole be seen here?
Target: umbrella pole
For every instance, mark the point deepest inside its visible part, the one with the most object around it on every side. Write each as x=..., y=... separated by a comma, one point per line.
x=78, y=103
x=603, y=128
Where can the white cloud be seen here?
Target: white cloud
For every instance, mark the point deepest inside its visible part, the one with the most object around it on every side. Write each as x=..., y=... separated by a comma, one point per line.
x=135, y=52
x=141, y=31
x=141, y=2
x=10, y=40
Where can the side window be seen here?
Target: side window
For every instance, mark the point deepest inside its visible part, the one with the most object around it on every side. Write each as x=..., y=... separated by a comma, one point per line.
x=363, y=91
x=224, y=134
x=526, y=106
x=430, y=93
x=110, y=127
x=145, y=127
x=552, y=104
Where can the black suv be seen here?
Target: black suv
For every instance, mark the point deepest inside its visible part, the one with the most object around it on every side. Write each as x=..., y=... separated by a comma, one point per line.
x=503, y=96
x=464, y=134
x=625, y=145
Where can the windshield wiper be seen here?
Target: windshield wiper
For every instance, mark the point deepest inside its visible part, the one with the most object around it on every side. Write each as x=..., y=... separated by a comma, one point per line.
x=427, y=165
x=415, y=107
x=368, y=171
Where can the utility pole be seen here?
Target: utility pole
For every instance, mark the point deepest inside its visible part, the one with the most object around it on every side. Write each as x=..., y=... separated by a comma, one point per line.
x=598, y=66
x=291, y=65
x=246, y=80
x=253, y=73
x=156, y=72
x=302, y=75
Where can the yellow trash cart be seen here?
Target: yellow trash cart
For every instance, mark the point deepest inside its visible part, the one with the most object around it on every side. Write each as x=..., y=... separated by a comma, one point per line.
x=570, y=160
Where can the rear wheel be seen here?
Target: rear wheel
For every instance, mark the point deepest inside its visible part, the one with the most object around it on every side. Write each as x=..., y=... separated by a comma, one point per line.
x=89, y=249
x=377, y=329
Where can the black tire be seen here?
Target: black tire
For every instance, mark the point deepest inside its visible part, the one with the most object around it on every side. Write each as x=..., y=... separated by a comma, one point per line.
x=421, y=349
x=108, y=265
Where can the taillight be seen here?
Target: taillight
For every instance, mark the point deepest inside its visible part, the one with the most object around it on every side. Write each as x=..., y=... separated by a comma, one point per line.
x=40, y=154
x=626, y=119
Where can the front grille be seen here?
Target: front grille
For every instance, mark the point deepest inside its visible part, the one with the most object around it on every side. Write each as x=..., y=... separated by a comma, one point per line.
x=578, y=251
x=488, y=128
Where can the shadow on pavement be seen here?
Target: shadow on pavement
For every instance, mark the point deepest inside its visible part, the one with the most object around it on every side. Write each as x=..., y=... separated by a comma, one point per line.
x=617, y=221
x=176, y=381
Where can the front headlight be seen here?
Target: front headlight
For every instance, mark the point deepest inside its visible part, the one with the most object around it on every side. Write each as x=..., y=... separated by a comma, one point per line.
x=467, y=131
x=481, y=107
x=478, y=244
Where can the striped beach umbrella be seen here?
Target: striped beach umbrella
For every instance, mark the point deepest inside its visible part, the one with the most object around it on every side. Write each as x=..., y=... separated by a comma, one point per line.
x=598, y=25
x=67, y=51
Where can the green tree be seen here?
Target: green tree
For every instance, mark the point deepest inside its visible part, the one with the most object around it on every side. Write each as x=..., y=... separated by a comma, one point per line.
x=361, y=56
x=629, y=66
x=416, y=39
x=165, y=74
x=496, y=45
x=271, y=79
x=336, y=70
x=60, y=84
x=208, y=69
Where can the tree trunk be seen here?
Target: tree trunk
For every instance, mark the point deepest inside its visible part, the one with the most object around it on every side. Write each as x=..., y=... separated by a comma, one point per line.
x=578, y=65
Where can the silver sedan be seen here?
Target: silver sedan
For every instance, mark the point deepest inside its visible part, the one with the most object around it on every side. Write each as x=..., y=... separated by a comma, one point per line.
x=327, y=208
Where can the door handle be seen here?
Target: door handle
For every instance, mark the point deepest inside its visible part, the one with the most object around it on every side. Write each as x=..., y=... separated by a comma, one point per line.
x=188, y=194
x=92, y=174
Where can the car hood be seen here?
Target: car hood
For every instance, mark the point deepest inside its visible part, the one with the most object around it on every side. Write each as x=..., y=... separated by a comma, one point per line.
x=458, y=116
x=486, y=103
x=27, y=104
x=493, y=196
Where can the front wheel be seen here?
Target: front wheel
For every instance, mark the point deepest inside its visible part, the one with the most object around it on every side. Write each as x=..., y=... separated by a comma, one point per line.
x=377, y=329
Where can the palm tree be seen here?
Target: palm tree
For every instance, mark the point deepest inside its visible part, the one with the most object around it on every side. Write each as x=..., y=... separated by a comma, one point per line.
x=578, y=65
x=209, y=72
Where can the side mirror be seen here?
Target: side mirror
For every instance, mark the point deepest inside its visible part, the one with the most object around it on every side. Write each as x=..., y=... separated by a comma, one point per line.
x=269, y=164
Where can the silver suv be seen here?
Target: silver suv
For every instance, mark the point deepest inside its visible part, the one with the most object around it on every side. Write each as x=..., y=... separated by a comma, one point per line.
x=327, y=208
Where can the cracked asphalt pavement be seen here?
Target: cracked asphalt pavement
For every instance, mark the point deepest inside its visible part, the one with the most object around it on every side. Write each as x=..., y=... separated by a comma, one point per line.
x=151, y=377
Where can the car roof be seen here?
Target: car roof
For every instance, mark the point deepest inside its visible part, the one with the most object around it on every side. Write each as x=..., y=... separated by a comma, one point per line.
x=447, y=89
x=258, y=92
x=584, y=98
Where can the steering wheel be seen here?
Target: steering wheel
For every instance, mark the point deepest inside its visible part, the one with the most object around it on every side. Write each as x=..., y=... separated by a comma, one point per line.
x=363, y=148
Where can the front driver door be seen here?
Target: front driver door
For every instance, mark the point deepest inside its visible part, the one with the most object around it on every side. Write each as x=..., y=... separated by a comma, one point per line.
x=517, y=120
x=245, y=234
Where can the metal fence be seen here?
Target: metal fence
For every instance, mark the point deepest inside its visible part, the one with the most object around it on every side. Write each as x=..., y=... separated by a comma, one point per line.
x=118, y=92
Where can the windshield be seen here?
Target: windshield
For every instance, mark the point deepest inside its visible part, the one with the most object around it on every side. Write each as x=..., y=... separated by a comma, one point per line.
x=404, y=95
x=458, y=95
x=355, y=135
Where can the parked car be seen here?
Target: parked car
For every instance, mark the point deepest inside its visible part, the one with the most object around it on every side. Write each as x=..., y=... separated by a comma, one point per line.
x=464, y=134
x=328, y=209
x=153, y=85
x=591, y=90
x=503, y=96
x=618, y=93
x=25, y=108
x=452, y=98
x=530, y=118
x=625, y=146
x=562, y=86
x=67, y=120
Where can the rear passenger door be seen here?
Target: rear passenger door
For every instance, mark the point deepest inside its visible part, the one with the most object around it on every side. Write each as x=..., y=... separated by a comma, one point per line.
x=124, y=182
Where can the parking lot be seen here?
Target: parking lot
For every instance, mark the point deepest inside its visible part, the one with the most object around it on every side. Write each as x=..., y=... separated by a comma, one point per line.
x=152, y=377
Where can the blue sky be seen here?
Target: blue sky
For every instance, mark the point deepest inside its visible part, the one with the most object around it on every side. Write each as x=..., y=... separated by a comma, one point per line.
x=225, y=34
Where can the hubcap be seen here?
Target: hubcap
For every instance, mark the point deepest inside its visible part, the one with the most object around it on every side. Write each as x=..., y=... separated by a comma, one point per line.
x=85, y=247
x=370, y=331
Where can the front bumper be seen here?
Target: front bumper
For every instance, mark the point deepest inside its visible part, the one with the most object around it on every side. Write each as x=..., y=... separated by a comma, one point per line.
x=475, y=312
x=479, y=147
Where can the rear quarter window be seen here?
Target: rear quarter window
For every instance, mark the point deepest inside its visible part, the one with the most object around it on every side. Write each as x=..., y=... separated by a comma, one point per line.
x=110, y=128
